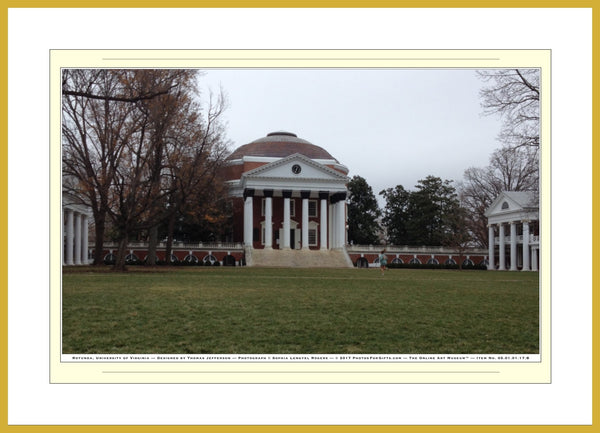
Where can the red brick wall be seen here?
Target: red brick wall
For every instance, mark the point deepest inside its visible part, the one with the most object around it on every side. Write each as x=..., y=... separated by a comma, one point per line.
x=424, y=258
x=181, y=254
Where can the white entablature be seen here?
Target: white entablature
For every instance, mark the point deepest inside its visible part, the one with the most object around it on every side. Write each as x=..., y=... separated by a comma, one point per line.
x=295, y=173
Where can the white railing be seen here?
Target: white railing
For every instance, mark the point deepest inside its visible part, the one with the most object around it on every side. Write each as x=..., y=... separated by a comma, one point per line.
x=229, y=246
x=533, y=240
x=408, y=249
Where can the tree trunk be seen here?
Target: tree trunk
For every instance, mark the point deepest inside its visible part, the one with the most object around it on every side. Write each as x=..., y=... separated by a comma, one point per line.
x=99, y=221
x=152, y=243
x=121, y=254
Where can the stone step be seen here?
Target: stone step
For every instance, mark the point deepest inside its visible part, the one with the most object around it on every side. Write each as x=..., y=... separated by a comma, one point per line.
x=300, y=258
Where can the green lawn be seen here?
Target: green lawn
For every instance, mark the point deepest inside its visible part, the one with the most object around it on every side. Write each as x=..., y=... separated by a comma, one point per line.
x=334, y=311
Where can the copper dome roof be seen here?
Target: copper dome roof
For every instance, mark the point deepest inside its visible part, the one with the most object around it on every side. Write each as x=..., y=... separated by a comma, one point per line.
x=280, y=144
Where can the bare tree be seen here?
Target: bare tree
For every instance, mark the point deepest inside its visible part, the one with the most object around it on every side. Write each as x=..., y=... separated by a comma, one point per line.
x=514, y=94
x=161, y=118
x=459, y=236
x=140, y=187
x=510, y=169
x=199, y=147
x=131, y=140
x=94, y=133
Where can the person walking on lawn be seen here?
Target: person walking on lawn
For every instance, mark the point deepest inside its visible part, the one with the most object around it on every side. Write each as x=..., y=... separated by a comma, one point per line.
x=382, y=262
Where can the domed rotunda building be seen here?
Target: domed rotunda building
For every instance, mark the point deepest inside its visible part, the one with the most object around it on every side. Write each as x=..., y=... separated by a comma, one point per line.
x=288, y=194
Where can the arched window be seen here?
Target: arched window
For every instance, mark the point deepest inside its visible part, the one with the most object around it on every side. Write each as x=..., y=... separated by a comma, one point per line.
x=209, y=259
x=362, y=263
x=229, y=260
x=505, y=205
x=397, y=261
x=450, y=262
x=131, y=259
x=467, y=262
x=174, y=258
x=414, y=261
x=433, y=261
x=190, y=258
x=110, y=259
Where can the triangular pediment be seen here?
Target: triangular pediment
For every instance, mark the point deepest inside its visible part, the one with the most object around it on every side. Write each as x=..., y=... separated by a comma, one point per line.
x=511, y=202
x=295, y=167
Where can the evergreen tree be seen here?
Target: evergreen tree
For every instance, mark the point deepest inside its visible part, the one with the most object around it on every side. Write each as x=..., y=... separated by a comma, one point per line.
x=395, y=214
x=431, y=203
x=423, y=216
x=363, y=212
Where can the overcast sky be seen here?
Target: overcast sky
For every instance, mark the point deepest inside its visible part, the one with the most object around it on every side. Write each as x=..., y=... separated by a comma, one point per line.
x=390, y=126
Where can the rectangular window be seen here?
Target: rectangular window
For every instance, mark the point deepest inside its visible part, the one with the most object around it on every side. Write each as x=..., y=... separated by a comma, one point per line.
x=292, y=207
x=312, y=237
x=312, y=208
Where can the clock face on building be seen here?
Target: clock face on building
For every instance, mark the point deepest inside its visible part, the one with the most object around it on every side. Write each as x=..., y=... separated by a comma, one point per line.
x=296, y=169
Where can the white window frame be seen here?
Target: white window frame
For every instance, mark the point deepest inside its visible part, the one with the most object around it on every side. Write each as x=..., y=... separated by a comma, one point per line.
x=313, y=227
x=316, y=208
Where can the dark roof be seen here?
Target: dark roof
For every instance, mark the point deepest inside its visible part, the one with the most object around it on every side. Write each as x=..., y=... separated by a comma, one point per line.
x=523, y=198
x=279, y=145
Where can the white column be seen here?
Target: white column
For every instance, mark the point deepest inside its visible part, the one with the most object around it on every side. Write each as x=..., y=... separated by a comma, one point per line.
x=77, y=250
x=513, y=246
x=332, y=235
x=334, y=226
x=501, y=249
x=286, y=222
x=304, y=222
x=526, y=246
x=268, y=222
x=534, y=259
x=323, y=219
x=341, y=223
x=491, y=242
x=84, y=239
x=248, y=220
x=69, y=246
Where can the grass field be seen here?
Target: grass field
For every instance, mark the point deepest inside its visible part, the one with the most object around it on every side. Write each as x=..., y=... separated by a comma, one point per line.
x=334, y=311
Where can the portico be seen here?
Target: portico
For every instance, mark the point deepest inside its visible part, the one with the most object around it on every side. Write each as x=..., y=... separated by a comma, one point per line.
x=289, y=215
x=517, y=213
x=284, y=228
x=76, y=219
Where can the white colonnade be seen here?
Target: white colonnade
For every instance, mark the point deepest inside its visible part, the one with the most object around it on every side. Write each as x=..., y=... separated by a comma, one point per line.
x=75, y=237
x=530, y=246
x=331, y=219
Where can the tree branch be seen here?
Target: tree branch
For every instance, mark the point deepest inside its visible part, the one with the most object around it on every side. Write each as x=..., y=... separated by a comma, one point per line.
x=117, y=98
